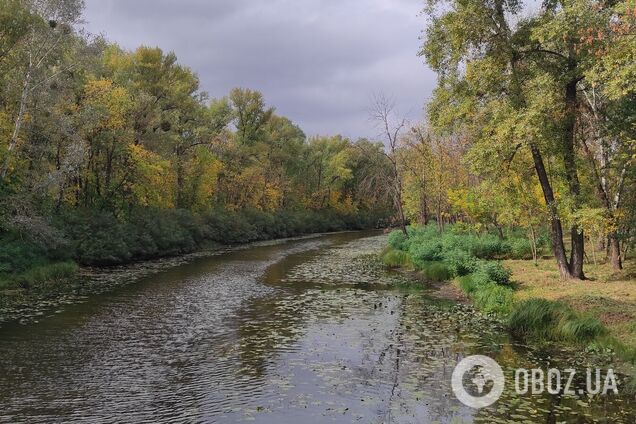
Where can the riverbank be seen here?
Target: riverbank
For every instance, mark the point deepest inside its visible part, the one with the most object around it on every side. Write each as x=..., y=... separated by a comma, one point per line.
x=607, y=295
x=27, y=296
x=598, y=315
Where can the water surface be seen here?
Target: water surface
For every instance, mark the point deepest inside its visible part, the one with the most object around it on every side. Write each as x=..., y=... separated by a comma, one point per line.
x=302, y=331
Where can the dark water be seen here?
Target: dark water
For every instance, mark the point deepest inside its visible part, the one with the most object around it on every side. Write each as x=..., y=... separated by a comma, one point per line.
x=304, y=331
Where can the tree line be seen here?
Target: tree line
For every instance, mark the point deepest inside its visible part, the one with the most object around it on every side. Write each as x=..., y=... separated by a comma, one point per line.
x=88, y=126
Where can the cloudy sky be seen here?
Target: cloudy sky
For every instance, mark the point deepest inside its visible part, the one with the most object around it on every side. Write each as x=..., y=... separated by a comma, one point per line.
x=317, y=61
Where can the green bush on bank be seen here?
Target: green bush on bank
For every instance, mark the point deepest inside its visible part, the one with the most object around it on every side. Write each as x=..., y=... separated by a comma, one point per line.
x=457, y=253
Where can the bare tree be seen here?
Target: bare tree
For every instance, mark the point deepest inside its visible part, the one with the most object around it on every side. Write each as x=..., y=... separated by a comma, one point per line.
x=382, y=113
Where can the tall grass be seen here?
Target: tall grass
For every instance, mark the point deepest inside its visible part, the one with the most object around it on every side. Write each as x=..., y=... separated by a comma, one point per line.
x=434, y=271
x=38, y=276
x=488, y=296
x=393, y=258
x=546, y=319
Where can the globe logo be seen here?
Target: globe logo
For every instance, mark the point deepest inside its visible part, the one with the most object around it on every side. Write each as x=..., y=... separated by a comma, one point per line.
x=477, y=381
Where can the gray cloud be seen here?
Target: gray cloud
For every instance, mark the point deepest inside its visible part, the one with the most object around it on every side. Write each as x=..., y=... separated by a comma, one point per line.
x=317, y=61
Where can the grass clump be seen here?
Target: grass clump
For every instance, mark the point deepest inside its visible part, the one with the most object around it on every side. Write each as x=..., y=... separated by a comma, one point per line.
x=546, y=319
x=434, y=271
x=393, y=258
x=39, y=278
x=488, y=296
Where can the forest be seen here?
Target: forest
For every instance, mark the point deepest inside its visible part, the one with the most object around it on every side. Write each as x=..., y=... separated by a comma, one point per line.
x=109, y=156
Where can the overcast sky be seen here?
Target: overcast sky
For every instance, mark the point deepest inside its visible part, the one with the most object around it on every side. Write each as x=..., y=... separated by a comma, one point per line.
x=317, y=61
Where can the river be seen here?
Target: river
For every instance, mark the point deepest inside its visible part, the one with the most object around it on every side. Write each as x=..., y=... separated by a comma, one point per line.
x=303, y=331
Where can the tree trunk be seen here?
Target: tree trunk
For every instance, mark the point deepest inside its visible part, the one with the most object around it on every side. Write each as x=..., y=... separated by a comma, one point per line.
x=424, y=209
x=556, y=229
x=614, y=251
x=577, y=251
x=18, y=121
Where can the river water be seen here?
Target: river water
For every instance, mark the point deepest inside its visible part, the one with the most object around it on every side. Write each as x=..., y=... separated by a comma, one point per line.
x=301, y=331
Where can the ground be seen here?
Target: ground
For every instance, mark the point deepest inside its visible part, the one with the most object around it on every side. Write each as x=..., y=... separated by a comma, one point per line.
x=607, y=295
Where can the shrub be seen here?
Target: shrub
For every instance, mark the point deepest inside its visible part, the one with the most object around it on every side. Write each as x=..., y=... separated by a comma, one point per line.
x=426, y=251
x=19, y=255
x=460, y=262
x=494, y=271
x=398, y=241
x=520, y=248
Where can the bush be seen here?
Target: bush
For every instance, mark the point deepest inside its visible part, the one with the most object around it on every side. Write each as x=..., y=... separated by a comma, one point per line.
x=520, y=248
x=426, y=251
x=494, y=271
x=460, y=262
x=398, y=241
x=19, y=255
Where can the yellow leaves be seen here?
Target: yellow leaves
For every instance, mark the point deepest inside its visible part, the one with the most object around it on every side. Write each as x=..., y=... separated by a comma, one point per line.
x=344, y=205
x=202, y=172
x=113, y=102
x=154, y=181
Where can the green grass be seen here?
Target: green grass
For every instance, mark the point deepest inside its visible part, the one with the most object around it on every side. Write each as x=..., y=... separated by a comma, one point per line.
x=550, y=320
x=488, y=296
x=393, y=258
x=598, y=315
x=434, y=271
x=36, y=277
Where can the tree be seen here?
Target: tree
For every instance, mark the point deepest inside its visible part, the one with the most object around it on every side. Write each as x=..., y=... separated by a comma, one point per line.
x=513, y=82
x=382, y=113
x=48, y=32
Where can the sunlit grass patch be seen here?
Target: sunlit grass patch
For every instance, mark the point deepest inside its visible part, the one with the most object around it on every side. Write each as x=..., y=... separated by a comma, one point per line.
x=488, y=296
x=607, y=295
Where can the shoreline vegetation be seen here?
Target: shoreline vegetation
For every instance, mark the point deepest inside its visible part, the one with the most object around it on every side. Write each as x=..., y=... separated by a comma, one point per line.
x=500, y=278
x=48, y=276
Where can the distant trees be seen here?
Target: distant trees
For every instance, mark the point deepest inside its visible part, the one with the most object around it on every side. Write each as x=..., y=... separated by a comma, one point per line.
x=88, y=126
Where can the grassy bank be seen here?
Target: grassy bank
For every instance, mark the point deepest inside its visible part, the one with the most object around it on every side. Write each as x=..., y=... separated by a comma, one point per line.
x=608, y=296
x=599, y=314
